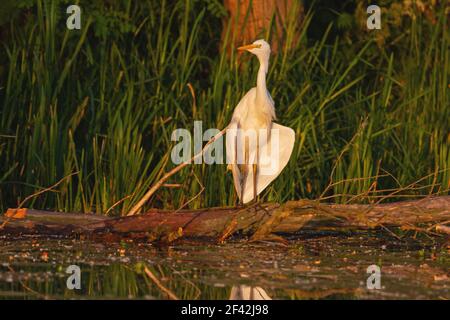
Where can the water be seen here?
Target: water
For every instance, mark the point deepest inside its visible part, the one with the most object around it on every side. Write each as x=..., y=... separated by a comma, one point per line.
x=309, y=267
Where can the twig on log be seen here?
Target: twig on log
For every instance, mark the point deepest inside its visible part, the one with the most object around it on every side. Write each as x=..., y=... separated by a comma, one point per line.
x=158, y=184
x=202, y=188
x=45, y=190
x=362, y=125
x=34, y=195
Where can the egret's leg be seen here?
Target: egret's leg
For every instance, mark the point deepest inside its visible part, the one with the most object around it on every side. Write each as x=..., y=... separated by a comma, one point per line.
x=255, y=170
x=258, y=205
x=238, y=201
x=244, y=171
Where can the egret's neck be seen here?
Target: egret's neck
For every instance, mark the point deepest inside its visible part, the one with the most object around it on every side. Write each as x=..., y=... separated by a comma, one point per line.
x=261, y=87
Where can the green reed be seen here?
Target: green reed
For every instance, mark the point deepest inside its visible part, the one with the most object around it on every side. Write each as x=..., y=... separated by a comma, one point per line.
x=96, y=107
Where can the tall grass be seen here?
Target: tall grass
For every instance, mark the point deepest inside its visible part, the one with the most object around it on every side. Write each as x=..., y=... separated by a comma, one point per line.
x=103, y=101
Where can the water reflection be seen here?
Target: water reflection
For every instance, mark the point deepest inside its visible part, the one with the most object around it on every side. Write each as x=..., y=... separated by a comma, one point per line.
x=244, y=292
x=312, y=269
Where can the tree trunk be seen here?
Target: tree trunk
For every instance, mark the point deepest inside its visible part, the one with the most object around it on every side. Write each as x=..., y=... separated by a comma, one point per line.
x=428, y=215
x=250, y=20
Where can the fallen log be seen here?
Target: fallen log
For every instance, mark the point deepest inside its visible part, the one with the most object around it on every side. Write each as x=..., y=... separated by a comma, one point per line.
x=257, y=221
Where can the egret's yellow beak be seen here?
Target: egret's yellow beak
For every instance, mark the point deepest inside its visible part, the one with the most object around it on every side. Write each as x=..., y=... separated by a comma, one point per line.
x=249, y=47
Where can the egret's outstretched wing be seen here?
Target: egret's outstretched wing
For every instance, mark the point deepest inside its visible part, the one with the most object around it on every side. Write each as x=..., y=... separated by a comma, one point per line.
x=273, y=157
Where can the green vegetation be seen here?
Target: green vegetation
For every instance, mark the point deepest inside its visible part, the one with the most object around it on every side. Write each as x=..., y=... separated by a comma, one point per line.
x=96, y=107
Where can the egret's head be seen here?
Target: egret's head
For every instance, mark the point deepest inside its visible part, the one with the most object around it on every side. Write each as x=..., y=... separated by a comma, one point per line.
x=259, y=48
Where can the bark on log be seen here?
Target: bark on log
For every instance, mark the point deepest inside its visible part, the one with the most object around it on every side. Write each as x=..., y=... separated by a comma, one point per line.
x=217, y=223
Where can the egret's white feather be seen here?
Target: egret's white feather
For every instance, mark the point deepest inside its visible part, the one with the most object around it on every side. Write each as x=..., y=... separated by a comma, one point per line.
x=256, y=111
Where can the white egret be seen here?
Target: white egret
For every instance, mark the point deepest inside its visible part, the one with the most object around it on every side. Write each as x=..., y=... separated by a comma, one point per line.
x=257, y=148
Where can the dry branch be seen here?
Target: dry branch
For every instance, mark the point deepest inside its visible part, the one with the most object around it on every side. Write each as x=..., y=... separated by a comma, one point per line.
x=161, y=182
